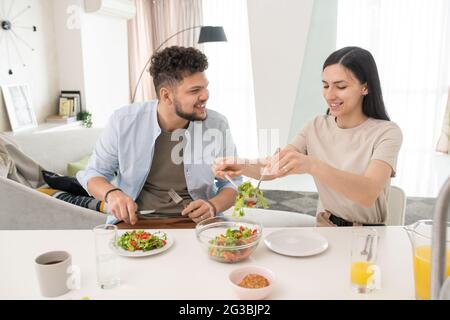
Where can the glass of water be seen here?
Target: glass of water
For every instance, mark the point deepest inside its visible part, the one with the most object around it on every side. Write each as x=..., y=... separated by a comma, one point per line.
x=108, y=273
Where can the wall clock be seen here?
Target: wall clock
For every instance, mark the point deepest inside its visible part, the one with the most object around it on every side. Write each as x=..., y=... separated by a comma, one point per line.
x=11, y=31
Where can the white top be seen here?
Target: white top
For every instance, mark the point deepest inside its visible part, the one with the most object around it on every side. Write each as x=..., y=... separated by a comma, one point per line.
x=185, y=271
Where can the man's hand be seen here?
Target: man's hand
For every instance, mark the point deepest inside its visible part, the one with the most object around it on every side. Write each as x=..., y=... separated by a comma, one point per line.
x=122, y=207
x=198, y=210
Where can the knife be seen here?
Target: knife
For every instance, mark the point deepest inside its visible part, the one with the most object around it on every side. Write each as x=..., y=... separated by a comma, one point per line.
x=149, y=214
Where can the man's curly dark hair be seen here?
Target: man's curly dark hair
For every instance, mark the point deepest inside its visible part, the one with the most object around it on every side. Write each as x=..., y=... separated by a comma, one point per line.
x=171, y=65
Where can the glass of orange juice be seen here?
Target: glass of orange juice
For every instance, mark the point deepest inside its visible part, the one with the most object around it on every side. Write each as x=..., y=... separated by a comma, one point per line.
x=364, y=273
x=422, y=271
x=420, y=234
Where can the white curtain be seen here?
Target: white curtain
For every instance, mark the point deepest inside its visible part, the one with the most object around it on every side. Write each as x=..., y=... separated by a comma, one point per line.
x=230, y=72
x=443, y=144
x=140, y=46
x=410, y=40
x=171, y=16
x=155, y=22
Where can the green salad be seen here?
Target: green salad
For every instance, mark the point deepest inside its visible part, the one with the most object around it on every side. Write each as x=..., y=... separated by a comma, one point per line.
x=248, y=196
x=140, y=240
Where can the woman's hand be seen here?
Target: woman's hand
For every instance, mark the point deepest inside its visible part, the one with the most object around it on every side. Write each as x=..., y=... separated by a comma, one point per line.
x=288, y=162
x=229, y=165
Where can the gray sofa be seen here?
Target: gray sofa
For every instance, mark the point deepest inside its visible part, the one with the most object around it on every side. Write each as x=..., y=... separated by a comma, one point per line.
x=23, y=208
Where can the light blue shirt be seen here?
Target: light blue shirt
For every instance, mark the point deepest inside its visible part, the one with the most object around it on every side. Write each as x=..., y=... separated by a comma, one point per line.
x=127, y=144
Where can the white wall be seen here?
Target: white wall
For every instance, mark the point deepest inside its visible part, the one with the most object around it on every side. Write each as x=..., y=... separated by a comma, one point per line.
x=69, y=49
x=94, y=48
x=41, y=72
x=278, y=36
x=321, y=43
x=74, y=51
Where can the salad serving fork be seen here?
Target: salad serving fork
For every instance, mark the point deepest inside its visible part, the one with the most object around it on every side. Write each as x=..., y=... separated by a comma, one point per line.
x=264, y=170
x=368, y=247
x=365, y=252
x=231, y=181
x=370, y=254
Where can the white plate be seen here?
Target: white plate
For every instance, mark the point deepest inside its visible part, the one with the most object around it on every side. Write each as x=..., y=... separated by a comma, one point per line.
x=122, y=252
x=296, y=242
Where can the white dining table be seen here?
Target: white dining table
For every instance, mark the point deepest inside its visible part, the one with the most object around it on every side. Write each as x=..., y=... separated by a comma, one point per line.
x=184, y=271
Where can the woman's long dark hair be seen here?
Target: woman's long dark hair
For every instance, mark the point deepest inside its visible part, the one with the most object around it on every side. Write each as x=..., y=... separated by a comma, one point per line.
x=363, y=66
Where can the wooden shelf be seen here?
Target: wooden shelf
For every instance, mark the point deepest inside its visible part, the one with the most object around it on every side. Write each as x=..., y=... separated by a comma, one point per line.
x=48, y=127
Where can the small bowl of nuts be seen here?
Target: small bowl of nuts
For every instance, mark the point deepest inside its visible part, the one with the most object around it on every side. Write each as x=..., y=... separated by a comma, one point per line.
x=252, y=282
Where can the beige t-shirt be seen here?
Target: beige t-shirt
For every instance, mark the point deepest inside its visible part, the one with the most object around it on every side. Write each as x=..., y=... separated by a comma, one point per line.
x=351, y=150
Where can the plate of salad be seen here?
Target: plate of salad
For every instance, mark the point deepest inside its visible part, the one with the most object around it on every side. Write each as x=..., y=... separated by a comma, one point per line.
x=140, y=243
x=248, y=197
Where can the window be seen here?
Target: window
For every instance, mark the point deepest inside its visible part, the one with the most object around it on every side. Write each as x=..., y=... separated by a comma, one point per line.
x=230, y=72
x=410, y=42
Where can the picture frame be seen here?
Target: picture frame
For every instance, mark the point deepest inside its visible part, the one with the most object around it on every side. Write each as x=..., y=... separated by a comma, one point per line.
x=19, y=107
x=75, y=96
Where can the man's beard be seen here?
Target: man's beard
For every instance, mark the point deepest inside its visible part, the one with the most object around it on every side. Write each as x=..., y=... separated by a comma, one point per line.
x=187, y=116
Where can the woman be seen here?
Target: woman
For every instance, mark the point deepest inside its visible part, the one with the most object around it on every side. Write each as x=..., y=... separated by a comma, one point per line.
x=351, y=152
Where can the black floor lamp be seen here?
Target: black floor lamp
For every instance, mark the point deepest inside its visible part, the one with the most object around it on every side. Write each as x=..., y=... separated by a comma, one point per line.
x=207, y=34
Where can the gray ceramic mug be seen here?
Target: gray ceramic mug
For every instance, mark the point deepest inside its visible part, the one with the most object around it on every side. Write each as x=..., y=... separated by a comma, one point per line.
x=52, y=270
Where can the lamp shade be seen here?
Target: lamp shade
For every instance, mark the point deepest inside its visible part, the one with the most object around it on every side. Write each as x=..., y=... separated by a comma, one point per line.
x=211, y=34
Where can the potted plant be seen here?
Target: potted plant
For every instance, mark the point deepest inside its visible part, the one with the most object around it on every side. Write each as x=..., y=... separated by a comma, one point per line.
x=86, y=117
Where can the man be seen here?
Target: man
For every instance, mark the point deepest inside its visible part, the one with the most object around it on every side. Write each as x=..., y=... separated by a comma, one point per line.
x=138, y=144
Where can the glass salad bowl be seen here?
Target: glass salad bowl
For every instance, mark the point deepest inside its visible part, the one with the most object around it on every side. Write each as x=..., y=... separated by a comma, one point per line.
x=228, y=240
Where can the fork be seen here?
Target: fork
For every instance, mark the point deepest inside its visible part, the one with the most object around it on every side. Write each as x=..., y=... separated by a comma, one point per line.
x=175, y=197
